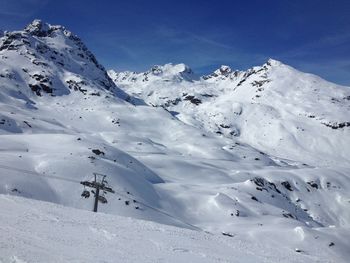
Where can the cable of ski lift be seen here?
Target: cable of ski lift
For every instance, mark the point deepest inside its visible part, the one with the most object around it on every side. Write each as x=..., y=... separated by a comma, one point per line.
x=38, y=174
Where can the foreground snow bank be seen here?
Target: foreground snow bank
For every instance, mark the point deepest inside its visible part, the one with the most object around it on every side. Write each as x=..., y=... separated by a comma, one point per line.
x=35, y=231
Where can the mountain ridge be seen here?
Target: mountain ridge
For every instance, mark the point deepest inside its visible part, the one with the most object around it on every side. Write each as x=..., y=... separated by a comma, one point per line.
x=273, y=91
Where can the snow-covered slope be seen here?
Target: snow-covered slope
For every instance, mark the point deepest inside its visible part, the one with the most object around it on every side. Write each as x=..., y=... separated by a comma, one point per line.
x=274, y=107
x=81, y=236
x=201, y=161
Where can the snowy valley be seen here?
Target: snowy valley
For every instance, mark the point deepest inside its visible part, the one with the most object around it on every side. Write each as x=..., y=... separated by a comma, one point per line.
x=249, y=164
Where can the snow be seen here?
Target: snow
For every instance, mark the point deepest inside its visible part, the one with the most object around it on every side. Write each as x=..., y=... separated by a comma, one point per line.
x=260, y=155
x=62, y=234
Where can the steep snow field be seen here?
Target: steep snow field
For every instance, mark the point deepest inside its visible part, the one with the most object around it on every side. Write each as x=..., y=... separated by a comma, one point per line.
x=261, y=155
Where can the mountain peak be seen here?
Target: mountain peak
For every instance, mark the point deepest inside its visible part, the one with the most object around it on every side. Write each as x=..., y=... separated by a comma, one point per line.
x=273, y=62
x=45, y=48
x=223, y=70
x=176, y=68
x=38, y=28
x=171, y=71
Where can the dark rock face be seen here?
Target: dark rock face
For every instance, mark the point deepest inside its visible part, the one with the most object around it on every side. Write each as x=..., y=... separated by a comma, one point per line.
x=313, y=184
x=38, y=88
x=76, y=85
x=193, y=99
x=39, y=28
x=260, y=83
x=42, y=84
x=287, y=185
x=98, y=152
x=264, y=184
x=13, y=41
x=337, y=125
x=254, y=198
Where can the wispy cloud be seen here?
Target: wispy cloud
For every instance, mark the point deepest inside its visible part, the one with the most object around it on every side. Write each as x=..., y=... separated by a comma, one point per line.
x=14, y=14
x=324, y=43
x=21, y=8
x=188, y=37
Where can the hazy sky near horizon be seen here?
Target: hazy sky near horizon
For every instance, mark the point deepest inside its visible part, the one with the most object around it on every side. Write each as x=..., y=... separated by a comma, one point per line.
x=311, y=35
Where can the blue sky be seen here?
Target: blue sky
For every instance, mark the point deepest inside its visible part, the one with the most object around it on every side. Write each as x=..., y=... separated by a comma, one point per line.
x=311, y=35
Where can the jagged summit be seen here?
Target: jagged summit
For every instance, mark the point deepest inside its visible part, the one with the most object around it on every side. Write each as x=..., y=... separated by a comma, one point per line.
x=182, y=72
x=168, y=72
x=226, y=73
x=171, y=69
x=39, y=28
x=273, y=62
x=222, y=71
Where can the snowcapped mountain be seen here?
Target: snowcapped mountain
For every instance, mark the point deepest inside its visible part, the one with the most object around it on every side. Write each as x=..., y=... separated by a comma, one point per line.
x=274, y=107
x=49, y=59
x=259, y=154
x=167, y=72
